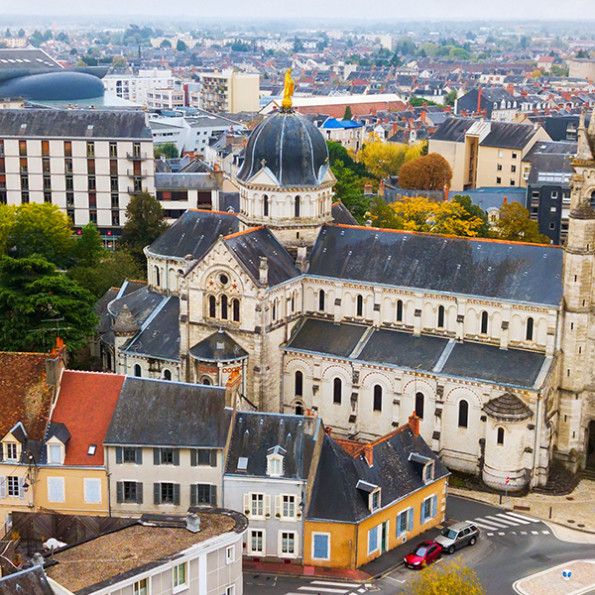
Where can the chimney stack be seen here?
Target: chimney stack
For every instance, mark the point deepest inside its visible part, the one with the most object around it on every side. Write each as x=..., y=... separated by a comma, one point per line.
x=369, y=454
x=414, y=423
x=264, y=271
x=192, y=522
x=504, y=200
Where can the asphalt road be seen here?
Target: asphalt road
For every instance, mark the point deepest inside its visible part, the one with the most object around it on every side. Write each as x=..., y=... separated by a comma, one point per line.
x=511, y=546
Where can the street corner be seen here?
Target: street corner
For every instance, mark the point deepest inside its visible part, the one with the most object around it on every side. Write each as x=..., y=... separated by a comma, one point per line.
x=570, y=578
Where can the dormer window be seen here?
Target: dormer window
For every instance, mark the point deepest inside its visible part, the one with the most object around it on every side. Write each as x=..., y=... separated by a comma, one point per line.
x=12, y=452
x=275, y=459
x=375, y=500
x=55, y=454
x=428, y=474
x=372, y=491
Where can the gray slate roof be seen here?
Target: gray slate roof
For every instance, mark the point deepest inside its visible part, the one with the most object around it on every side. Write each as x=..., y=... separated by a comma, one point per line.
x=518, y=272
x=164, y=413
x=508, y=135
x=335, y=496
x=341, y=214
x=255, y=433
x=69, y=123
x=453, y=130
x=218, y=347
x=185, y=181
x=322, y=336
x=193, y=234
x=31, y=581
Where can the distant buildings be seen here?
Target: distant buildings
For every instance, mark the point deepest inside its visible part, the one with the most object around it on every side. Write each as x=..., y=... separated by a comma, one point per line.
x=227, y=91
x=136, y=87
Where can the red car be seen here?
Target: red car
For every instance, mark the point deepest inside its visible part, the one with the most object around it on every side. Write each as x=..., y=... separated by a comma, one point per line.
x=425, y=553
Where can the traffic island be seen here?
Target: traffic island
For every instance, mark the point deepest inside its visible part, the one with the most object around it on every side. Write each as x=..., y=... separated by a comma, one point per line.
x=570, y=578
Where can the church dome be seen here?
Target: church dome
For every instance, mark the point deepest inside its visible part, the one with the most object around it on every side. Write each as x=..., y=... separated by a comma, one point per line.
x=290, y=147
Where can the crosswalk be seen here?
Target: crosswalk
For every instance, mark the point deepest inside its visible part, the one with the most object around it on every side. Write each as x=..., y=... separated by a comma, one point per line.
x=502, y=523
x=322, y=587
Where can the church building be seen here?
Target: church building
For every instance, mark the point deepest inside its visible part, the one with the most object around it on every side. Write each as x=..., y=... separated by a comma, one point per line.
x=296, y=309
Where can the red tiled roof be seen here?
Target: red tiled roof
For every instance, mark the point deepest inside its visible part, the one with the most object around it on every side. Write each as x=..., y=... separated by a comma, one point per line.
x=85, y=406
x=25, y=396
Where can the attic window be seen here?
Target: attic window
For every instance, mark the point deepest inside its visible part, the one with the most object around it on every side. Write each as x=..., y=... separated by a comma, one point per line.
x=374, y=500
x=242, y=463
x=275, y=466
x=428, y=473
x=92, y=449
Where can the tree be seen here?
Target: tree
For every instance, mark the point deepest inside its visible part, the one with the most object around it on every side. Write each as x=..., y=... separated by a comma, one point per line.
x=144, y=225
x=337, y=152
x=451, y=578
x=536, y=74
x=382, y=215
x=119, y=62
x=170, y=150
x=21, y=33
x=347, y=114
x=450, y=98
x=166, y=43
x=470, y=210
x=386, y=159
x=33, y=295
x=515, y=224
x=88, y=247
x=41, y=229
x=350, y=189
x=181, y=46
x=298, y=45
x=429, y=172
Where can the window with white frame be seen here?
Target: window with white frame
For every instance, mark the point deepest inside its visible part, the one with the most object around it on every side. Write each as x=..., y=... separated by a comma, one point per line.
x=256, y=541
x=230, y=554
x=373, y=540
x=140, y=587
x=257, y=504
x=13, y=486
x=11, y=452
x=275, y=465
x=428, y=508
x=321, y=546
x=374, y=500
x=55, y=454
x=288, y=507
x=429, y=472
x=287, y=543
x=231, y=590
x=404, y=521
x=92, y=489
x=180, y=576
x=56, y=489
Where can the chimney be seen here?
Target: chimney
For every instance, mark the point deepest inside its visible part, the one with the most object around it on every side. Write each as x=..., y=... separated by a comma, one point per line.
x=478, y=99
x=414, y=423
x=368, y=188
x=264, y=271
x=192, y=522
x=37, y=560
x=301, y=258
x=369, y=454
x=446, y=190
x=381, y=188
x=510, y=88
x=328, y=430
x=504, y=200
x=54, y=363
x=423, y=115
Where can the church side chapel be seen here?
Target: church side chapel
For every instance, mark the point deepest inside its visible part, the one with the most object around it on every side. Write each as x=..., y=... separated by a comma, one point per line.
x=297, y=309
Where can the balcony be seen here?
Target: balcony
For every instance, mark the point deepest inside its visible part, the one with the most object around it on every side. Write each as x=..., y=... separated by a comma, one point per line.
x=132, y=190
x=137, y=156
x=131, y=174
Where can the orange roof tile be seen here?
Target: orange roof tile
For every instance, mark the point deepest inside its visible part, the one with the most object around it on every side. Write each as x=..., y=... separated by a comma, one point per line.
x=85, y=405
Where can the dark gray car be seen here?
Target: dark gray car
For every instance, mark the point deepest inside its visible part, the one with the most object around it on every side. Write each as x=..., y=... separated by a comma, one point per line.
x=457, y=535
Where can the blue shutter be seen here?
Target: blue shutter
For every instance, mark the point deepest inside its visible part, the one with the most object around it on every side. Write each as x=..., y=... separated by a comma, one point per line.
x=422, y=515
x=434, y=505
x=139, y=456
x=118, y=455
x=321, y=547
x=411, y=513
x=372, y=540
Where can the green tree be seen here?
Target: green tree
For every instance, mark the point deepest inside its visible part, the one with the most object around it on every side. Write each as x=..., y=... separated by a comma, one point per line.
x=33, y=294
x=347, y=114
x=88, y=247
x=166, y=43
x=451, y=578
x=21, y=33
x=471, y=211
x=170, y=150
x=298, y=44
x=515, y=224
x=337, y=152
x=450, y=98
x=386, y=159
x=144, y=225
x=7, y=221
x=119, y=62
x=382, y=215
x=181, y=46
x=350, y=189
x=44, y=230
x=429, y=172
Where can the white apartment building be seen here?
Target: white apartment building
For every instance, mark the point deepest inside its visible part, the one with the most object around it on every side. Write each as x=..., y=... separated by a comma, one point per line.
x=228, y=91
x=88, y=162
x=165, y=98
x=135, y=87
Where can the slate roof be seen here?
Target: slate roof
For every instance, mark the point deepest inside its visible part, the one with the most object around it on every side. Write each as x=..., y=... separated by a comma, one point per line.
x=322, y=336
x=502, y=270
x=453, y=130
x=507, y=407
x=252, y=245
x=26, y=397
x=69, y=123
x=255, y=433
x=508, y=135
x=194, y=233
x=218, y=347
x=159, y=337
x=85, y=405
x=185, y=181
x=341, y=214
x=26, y=59
x=169, y=413
x=141, y=304
x=31, y=581
x=229, y=199
x=335, y=496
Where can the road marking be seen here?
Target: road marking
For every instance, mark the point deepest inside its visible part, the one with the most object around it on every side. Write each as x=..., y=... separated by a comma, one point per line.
x=546, y=532
x=337, y=584
x=501, y=533
x=523, y=532
x=506, y=516
x=513, y=532
x=525, y=518
x=361, y=590
x=322, y=589
x=486, y=525
x=489, y=534
x=534, y=532
x=507, y=523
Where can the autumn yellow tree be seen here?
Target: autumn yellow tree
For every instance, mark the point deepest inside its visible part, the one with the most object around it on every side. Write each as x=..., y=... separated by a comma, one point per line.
x=428, y=172
x=515, y=224
x=450, y=578
x=386, y=159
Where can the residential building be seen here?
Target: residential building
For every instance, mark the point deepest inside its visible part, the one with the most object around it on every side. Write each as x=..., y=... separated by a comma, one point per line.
x=496, y=103
x=346, y=132
x=271, y=464
x=136, y=87
x=485, y=153
x=87, y=162
x=173, y=456
x=200, y=553
x=165, y=99
x=227, y=91
x=370, y=498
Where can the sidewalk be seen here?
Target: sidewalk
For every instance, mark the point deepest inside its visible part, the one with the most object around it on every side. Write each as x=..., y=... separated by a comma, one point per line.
x=300, y=570
x=575, y=510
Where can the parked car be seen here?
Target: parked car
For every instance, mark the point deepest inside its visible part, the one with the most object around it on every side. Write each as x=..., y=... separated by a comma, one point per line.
x=457, y=535
x=425, y=553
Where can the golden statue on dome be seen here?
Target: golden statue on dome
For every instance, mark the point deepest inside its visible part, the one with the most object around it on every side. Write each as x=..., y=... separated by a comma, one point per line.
x=287, y=102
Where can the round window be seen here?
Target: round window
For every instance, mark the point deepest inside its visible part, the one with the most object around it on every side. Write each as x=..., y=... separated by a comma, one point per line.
x=223, y=279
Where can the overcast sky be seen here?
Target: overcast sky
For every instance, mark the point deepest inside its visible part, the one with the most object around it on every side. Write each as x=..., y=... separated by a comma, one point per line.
x=344, y=9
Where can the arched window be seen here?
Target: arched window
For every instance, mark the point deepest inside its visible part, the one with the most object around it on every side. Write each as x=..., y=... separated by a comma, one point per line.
x=321, y=300
x=400, y=311
x=440, y=316
x=299, y=384
x=360, y=306
x=138, y=372
x=235, y=306
x=463, y=414
x=337, y=390
x=299, y=409
x=419, y=405
x=166, y=375
x=274, y=310
x=224, y=307
x=206, y=381
x=529, y=333
x=484, y=323
x=265, y=205
x=296, y=207
x=157, y=277
x=212, y=307
x=501, y=436
x=377, y=397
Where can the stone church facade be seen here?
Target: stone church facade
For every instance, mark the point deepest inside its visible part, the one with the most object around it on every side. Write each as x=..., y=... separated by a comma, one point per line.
x=296, y=309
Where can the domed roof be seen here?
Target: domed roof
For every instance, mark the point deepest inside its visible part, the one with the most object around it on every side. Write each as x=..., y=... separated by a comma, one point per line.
x=507, y=407
x=57, y=85
x=288, y=145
